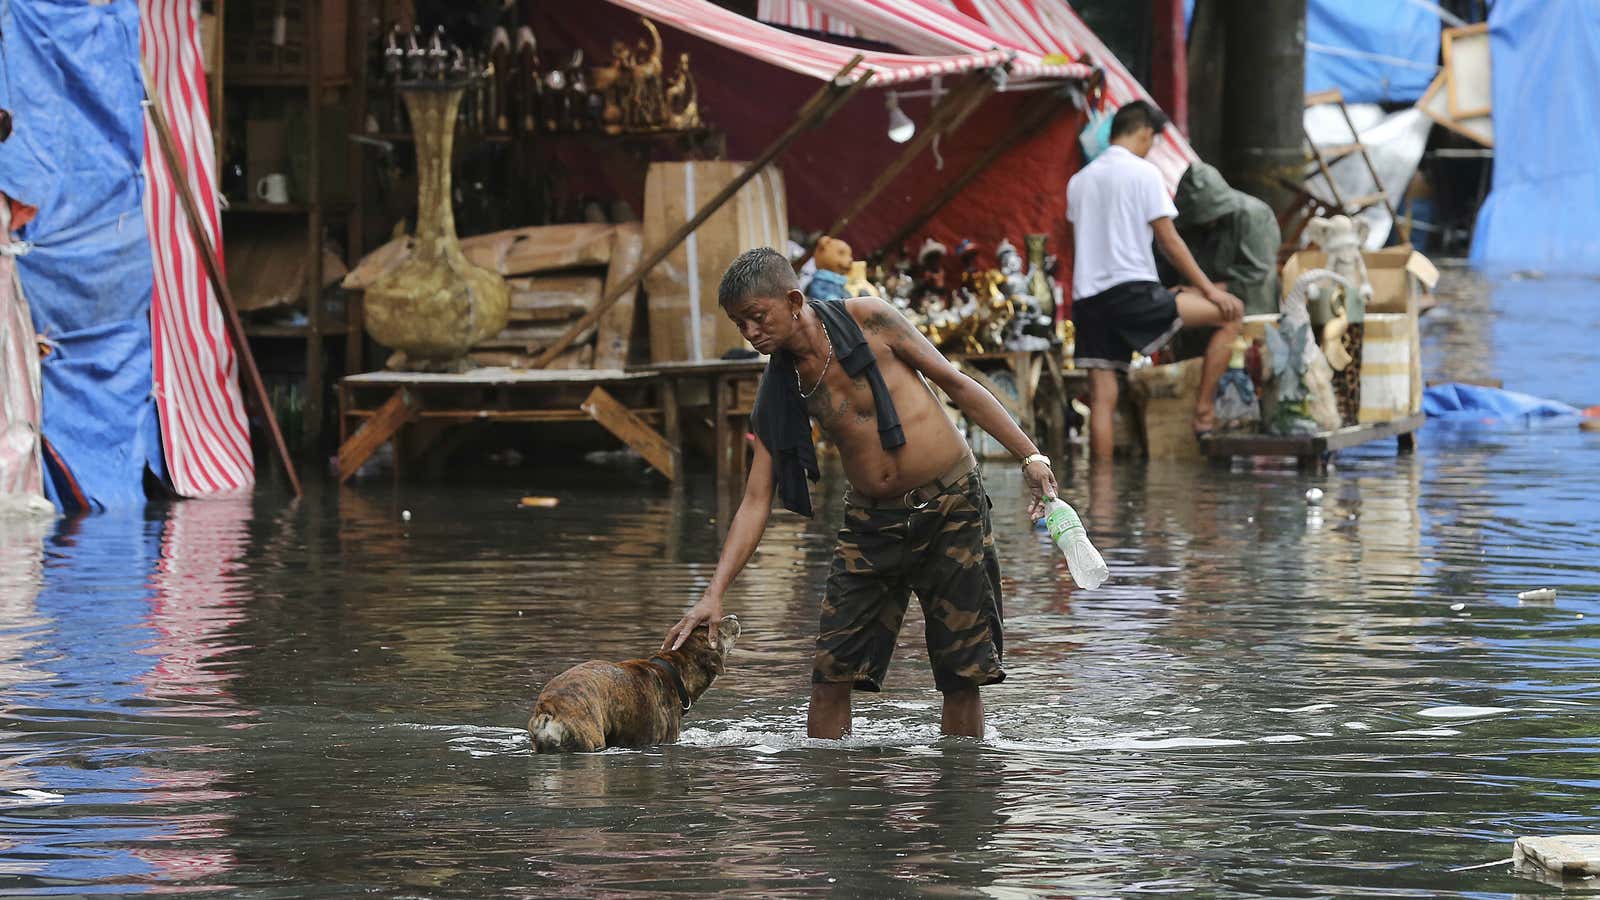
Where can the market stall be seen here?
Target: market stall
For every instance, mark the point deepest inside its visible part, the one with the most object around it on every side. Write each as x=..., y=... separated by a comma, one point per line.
x=582, y=311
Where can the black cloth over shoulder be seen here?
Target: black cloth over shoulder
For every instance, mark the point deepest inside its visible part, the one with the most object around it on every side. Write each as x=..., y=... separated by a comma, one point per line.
x=780, y=419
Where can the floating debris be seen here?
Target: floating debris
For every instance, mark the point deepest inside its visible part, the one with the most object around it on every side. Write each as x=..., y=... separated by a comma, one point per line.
x=540, y=502
x=1314, y=496
x=1566, y=855
x=1542, y=595
x=1462, y=712
x=405, y=515
x=1457, y=607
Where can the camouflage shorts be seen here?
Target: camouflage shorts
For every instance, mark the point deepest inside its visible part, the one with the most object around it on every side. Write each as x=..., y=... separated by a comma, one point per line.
x=945, y=553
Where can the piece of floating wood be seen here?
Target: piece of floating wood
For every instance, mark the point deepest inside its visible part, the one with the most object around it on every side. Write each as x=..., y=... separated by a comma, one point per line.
x=631, y=430
x=1568, y=855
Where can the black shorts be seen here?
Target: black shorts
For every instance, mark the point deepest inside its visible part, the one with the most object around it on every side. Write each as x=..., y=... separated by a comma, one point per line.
x=1132, y=317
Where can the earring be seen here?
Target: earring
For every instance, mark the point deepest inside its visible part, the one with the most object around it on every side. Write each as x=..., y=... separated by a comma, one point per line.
x=797, y=317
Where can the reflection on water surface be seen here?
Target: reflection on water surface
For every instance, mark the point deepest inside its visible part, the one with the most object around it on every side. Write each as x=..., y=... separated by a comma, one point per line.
x=1267, y=699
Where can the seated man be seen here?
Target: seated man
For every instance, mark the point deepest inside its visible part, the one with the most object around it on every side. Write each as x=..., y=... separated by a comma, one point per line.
x=1234, y=237
x=1117, y=205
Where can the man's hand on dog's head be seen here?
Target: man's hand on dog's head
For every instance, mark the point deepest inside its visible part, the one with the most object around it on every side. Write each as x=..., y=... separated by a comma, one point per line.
x=707, y=613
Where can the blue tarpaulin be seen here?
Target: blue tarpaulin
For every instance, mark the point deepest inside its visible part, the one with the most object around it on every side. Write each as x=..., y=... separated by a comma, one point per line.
x=1544, y=209
x=1468, y=403
x=1374, y=51
x=73, y=86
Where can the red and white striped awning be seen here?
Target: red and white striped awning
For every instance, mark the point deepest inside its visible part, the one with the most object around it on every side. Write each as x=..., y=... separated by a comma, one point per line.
x=822, y=60
x=1037, y=28
x=204, y=434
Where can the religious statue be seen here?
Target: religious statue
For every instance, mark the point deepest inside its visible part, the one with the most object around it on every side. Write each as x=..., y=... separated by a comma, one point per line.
x=1298, y=399
x=1039, y=283
x=647, y=98
x=682, y=108
x=1341, y=329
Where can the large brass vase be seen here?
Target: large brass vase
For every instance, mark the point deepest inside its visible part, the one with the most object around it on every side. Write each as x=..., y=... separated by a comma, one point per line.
x=436, y=305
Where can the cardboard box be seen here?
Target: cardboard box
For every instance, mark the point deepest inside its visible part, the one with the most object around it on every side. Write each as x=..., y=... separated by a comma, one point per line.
x=685, y=320
x=267, y=264
x=1165, y=396
x=1389, y=388
x=1399, y=275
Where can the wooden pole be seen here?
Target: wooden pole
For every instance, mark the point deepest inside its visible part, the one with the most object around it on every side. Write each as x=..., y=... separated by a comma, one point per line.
x=823, y=104
x=1039, y=110
x=208, y=258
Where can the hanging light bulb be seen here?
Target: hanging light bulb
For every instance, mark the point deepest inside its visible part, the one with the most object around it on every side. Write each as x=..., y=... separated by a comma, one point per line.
x=901, y=128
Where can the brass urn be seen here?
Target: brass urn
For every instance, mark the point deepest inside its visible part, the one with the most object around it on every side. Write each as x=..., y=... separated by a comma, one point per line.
x=436, y=305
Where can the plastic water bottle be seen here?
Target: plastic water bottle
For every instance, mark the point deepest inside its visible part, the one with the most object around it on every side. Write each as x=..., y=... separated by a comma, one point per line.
x=1066, y=529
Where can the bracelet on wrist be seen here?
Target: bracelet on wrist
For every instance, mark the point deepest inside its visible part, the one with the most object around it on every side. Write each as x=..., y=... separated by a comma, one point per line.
x=1035, y=457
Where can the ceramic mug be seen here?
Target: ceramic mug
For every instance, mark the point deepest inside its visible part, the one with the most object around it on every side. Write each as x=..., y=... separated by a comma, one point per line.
x=273, y=188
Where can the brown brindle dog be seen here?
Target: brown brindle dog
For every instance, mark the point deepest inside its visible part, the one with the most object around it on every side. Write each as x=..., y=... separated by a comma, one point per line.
x=595, y=705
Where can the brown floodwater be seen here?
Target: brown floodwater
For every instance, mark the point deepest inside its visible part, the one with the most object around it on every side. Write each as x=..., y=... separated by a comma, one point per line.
x=252, y=698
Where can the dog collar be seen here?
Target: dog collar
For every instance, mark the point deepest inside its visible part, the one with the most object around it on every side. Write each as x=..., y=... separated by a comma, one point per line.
x=667, y=666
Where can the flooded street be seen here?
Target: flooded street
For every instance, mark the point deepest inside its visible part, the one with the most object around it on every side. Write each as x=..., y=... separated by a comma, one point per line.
x=1267, y=699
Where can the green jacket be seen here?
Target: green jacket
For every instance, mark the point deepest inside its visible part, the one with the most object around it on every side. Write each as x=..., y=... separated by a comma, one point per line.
x=1234, y=237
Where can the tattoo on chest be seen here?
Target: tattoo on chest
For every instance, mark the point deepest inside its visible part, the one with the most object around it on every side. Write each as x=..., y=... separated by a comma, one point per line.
x=832, y=409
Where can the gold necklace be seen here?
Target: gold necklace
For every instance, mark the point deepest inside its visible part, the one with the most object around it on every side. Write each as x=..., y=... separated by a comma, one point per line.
x=806, y=395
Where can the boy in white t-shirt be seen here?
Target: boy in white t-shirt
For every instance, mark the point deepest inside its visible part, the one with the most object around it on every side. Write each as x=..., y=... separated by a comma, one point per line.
x=1118, y=205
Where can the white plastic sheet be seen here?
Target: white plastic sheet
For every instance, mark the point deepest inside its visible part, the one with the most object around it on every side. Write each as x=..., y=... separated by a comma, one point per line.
x=1394, y=143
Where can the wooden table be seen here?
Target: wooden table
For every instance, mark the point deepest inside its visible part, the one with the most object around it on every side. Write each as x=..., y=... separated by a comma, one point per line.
x=1043, y=390
x=727, y=390
x=416, y=410
x=1312, y=451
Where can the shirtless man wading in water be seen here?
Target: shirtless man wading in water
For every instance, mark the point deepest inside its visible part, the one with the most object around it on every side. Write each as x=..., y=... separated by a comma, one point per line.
x=916, y=515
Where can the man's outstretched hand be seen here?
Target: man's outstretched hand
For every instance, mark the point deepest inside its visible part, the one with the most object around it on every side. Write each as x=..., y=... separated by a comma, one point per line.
x=1041, y=483
x=706, y=613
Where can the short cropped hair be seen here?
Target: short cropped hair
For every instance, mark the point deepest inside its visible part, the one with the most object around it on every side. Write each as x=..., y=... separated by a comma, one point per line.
x=762, y=272
x=1137, y=114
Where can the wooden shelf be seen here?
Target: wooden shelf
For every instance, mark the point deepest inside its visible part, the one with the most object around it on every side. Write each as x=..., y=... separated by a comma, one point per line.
x=280, y=81
x=256, y=208
x=333, y=329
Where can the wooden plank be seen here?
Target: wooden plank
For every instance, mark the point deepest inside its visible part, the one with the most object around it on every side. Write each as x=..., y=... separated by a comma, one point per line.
x=631, y=430
x=822, y=105
x=494, y=375
x=540, y=248
x=1311, y=444
x=615, y=329
x=375, y=432
x=503, y=415
x=1332, y=95
x=1467, y=70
